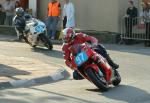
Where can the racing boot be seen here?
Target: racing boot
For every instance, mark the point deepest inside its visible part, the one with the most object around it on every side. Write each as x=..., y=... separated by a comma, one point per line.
x=111, y=62
x=77, y=76
x=20, y=37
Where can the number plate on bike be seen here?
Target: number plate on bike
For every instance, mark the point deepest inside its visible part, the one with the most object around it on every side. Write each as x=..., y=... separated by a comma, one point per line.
x=39, y=29
x=81, y=58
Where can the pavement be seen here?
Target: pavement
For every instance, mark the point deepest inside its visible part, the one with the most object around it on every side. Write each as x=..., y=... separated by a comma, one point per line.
x=134, y=70
x=23, y=71
x=13, y=38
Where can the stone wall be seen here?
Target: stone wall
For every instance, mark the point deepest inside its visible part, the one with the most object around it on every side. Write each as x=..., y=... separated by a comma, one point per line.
x=103, y=37
x=7, y=30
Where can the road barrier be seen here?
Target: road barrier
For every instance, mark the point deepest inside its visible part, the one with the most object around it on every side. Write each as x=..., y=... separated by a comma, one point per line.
x=135, y=29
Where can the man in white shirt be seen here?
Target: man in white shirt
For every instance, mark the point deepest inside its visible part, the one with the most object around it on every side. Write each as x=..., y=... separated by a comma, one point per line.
x=9, y=9
x=69, y=13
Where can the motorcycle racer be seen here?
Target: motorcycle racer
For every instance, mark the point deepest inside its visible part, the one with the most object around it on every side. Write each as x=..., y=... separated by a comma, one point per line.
x=71, y=38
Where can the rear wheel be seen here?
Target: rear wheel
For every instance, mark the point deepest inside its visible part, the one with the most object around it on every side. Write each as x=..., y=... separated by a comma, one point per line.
x=117, y=81
x=98, y=80
x=46, y=41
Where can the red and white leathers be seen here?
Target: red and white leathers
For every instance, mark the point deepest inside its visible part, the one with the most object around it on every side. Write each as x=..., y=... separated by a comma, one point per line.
x=79, y=39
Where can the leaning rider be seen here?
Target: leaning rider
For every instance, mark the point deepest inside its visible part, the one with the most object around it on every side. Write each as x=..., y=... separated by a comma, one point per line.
x=70, y=38
x=19, y=22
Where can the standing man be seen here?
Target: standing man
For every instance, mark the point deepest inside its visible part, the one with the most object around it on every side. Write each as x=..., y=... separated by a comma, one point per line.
x=130, y=19
x=54, y=10
x=2, y=15
x=9, y=9
x=69, y=14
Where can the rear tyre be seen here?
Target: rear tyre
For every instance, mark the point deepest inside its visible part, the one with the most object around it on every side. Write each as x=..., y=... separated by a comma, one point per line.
x=117, y=81
x=98, y=80
x=22, y=37
x=46, y=41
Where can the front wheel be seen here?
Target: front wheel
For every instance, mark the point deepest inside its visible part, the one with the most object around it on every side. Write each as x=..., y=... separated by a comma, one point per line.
x=46, y=41
x=98, y=80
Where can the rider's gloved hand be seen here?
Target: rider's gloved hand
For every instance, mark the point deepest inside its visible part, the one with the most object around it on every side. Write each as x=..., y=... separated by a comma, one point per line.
x=91, y=45
x=94, y=45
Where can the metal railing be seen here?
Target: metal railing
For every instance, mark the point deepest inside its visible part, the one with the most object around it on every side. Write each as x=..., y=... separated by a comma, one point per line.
x=135, y=28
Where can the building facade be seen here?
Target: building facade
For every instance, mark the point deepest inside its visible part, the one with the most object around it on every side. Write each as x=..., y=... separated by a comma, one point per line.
x=100, y=15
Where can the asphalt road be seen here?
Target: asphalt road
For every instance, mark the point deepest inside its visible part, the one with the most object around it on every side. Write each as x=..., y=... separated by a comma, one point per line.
x=134, y=64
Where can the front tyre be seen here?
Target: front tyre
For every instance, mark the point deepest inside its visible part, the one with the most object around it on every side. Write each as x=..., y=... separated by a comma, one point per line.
x=98, y=80
x=117, y=81
x=46, y=41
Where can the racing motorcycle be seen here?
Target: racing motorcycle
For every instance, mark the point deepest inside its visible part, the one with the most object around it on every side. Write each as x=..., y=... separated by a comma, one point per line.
x=100, y=73
x=35, y=33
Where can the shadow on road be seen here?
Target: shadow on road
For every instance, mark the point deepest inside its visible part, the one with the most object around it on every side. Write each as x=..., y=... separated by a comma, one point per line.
x=127, y=94
x=4, y=97
x=61, y=97
x=137, y=49
x=49, y=98
x=8, y=71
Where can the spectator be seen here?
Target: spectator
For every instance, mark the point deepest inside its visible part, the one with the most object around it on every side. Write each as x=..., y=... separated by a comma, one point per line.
x=68, y=13
x=146, y=15
x=24, y=4
x=17, y=4
x=130, y=19
x=54, y=9
x=9, y=9
x=2, y=15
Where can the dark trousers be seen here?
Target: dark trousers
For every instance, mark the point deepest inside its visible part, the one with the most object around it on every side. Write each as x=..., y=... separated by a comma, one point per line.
x=128, y=26
x=64, y=22
x=2, y=18
x=147, y=42
x=52, y=25
x=9, y=20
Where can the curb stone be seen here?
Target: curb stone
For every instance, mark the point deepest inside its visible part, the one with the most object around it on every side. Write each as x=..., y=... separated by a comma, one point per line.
x=58, y=76
x=62, y=74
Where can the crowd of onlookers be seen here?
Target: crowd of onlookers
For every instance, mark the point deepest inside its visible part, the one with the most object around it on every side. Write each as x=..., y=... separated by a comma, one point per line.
x=132, y=18
x=7, y=11
x=55, y=15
